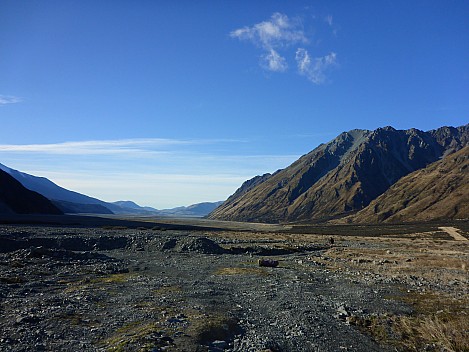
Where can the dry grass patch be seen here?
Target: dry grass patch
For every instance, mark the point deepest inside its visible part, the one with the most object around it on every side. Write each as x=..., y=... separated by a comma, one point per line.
x=215, y=327
x=442, y=262
x=165, y=290
x=131, y=335
x=112, y=279
x=441, y=320
x=448, y=259
x=439, y=323
x=87, y=284
x=241, y=271
x=435, y=333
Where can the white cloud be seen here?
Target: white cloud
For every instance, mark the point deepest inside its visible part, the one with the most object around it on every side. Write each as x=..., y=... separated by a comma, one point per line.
x=272, y=61
x=277, y=32
x=271, y=35
x=314, y=69
x=303, y=60
x=9, y=99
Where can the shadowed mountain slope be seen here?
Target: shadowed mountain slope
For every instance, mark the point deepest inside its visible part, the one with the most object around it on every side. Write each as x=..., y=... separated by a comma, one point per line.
x=69, y=201
x=16, y=199
x=48, y=188
x=340, y=177
x=439, y=191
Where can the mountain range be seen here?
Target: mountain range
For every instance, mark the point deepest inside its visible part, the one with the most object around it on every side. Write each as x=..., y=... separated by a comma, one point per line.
x=344, y=176
x=361, y=176
x=73, y=202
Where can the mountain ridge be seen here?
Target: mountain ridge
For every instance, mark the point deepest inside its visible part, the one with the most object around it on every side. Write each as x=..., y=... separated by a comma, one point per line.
x=341, y=176
x=439, y=191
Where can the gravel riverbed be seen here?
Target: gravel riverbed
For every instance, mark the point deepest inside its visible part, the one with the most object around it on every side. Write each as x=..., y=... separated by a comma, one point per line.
x=94, y=289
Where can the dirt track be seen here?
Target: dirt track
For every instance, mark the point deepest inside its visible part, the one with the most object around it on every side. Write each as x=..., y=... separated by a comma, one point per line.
x=453, y=232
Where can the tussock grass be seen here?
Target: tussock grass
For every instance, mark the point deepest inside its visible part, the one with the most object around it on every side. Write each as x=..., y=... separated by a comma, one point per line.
x=212, y=326
x=439, y=323
x=418, y=333
x=441, y=334
x=133, y=333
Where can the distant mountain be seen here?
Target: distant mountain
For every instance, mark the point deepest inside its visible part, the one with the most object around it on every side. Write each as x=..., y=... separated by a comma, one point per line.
x=194, y=210
x=73, y=202
x=78, y=208
x=340, y=177
x=128, y=204
x=16, y=199
x=439, y=191
x=69, y=201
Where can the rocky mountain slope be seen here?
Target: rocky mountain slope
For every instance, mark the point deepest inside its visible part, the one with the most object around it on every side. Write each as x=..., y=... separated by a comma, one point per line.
x=340, y=177
x=16, y=199
x=439, y=191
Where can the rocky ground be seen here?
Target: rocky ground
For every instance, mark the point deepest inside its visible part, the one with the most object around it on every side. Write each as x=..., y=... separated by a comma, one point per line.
x=120, y=289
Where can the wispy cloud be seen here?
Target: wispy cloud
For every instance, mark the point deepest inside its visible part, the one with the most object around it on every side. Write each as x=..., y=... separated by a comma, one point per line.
x=314, y=69
x=9, y=99
x=330, y=22
x=135, y=147
x=276, y=33
x=272, y=61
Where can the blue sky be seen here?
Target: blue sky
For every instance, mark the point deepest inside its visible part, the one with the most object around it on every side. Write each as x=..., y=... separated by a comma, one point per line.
x=171, y=103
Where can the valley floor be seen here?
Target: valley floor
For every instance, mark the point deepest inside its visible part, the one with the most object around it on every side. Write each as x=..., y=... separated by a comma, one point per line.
x=163, y=288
